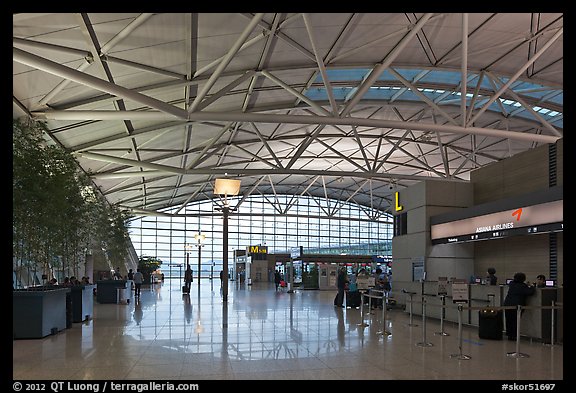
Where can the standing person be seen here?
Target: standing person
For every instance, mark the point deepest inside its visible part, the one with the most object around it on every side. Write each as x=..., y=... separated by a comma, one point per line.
x=130, y=275
x=518, y=291
x=221, y=276
x=381, y=283
x=341, y=281
x=491, y=279
x=138, y=280
x=188, y=278
x=540, y=281
x=117, y=274
x=277, y=279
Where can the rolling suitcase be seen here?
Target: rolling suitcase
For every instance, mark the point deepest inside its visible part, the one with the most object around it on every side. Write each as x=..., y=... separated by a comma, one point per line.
x=353, y=299
x=185, y=289
x=490, y=322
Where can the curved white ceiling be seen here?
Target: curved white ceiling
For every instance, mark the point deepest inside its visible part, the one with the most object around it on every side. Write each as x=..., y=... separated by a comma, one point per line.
x=347, y=106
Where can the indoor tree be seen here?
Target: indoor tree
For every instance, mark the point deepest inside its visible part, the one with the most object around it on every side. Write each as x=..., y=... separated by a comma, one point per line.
x=57, y=215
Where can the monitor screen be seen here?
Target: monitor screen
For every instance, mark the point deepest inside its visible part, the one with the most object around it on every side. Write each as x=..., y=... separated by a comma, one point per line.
x=508, y=281
x=478, y=280
x=549, y=283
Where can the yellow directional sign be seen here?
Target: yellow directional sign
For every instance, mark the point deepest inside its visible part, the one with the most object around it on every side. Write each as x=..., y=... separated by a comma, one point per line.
x=398, y=205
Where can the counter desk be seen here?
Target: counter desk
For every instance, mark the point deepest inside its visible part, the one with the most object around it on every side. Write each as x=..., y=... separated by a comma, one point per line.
x=38, y=313
x=107, y=290
x=82, y=302
x=536, y=323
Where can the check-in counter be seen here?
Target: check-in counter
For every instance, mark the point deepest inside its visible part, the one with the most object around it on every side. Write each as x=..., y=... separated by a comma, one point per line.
x=536, y=322
x=433, y=300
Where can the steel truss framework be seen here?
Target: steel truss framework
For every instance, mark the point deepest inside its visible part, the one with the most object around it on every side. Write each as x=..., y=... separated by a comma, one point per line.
x=337, y=106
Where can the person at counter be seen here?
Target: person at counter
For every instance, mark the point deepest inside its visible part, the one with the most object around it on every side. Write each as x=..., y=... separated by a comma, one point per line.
x=491, y=279
x=540, y=281
x=518, y=291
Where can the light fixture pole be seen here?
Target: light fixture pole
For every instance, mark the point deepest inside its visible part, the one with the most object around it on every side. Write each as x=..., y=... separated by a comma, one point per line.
x=225, y=213
x=223, y=188
x=200, y=237
x=188, y=248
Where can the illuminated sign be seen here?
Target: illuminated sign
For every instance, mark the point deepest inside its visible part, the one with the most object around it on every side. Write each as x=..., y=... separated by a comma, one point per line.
x=539, y=218
x=399, y=207
x=296, y=252
x=258, y=250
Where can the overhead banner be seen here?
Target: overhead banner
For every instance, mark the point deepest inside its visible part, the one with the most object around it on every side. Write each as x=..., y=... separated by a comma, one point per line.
x=543, y=217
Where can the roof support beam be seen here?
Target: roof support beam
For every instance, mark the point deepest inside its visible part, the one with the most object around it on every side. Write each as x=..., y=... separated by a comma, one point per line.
x=517, y=75
x=528, y=107
x=266, y=145
x=223, y=91
x=344, y=157
x=294, y=92
x=422, y=96
x=247, y=194
x=384, y=65
x=284, y=37
x=464, y=69
x=215, y=139
x=321, y=65
x=54, y=68
x=294, y=198
x=105, y=49
x=225, y=61
x=297, y=119
x=232, y=172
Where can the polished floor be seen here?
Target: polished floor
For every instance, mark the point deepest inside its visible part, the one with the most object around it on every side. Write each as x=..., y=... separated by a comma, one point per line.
x=262, y=334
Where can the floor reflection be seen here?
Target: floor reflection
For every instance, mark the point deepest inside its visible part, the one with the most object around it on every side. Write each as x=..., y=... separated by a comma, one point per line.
x=260, y=333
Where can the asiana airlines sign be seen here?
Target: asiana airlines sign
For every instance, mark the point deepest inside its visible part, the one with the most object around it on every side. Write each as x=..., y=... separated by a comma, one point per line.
x=539, y=218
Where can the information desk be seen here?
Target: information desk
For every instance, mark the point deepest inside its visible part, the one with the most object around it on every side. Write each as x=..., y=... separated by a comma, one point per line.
x=38, y=313
x=106, y=290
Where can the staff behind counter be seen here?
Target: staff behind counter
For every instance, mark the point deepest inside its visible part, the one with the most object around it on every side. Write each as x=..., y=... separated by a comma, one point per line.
x=540, y=282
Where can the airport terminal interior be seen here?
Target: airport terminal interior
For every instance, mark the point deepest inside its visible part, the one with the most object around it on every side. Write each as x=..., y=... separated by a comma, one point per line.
x=192, y=145
x=265, y=334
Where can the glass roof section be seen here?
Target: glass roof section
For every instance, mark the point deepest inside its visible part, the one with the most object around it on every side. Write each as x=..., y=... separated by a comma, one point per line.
x=390, y=88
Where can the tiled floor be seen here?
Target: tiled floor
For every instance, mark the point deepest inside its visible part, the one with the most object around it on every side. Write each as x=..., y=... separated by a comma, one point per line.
x=263, y=334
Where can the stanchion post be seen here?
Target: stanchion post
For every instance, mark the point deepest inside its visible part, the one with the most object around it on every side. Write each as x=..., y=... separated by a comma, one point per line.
x=459, y=355
x=369, y=303
x=552, y=323
x=410, y=300
x=362, y=323
x=384, y=332
x=442, y=314
x=424, y=343
x=517, y=353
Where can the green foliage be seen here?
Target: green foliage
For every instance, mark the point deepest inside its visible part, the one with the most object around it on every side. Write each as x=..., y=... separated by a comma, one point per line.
x=310, y=279
x=56, y=214
x=148, y=265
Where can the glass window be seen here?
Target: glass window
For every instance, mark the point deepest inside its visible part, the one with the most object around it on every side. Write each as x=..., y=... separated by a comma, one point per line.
x=349, y=230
